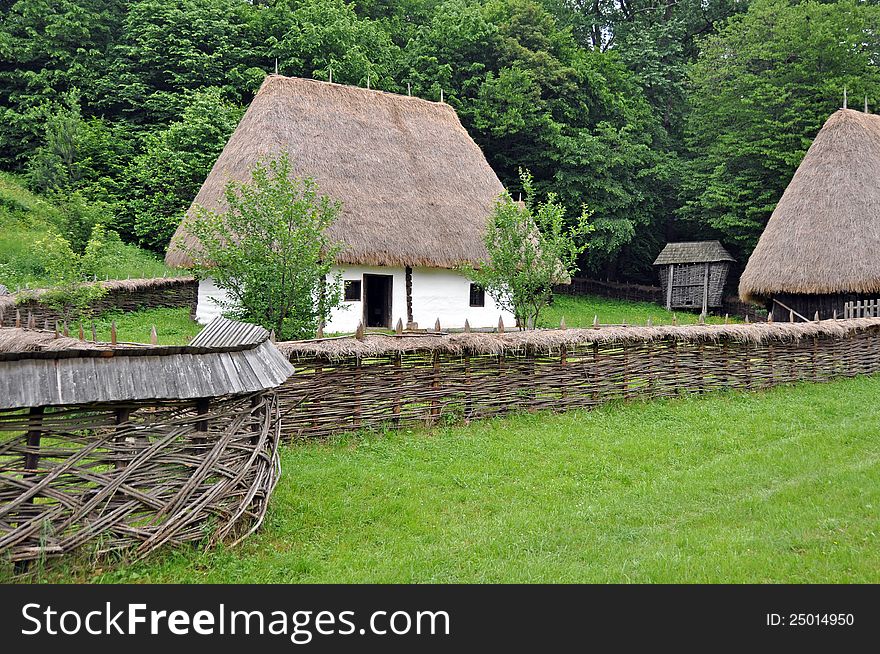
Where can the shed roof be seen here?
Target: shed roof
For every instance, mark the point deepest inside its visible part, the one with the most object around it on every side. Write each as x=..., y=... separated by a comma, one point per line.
x=692, y=252
x=39, y=369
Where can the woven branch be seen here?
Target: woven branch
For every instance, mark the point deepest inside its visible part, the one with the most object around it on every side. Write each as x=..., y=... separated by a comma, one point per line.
x=135, y=476
x=477, y=375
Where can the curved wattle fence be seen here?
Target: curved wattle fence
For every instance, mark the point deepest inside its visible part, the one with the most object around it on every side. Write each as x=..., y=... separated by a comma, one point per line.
x=346, y=384
x=135, y=447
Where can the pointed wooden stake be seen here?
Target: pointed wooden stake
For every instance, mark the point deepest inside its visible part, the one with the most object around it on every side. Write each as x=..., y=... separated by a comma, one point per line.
x=82, y=335
x=562, y=323
x=790, y=315
x=56, y=329
x=675, y=320
x=154, y=337
x=437, y=325
x=770, y=317
x=31, y=322
x=17, y=319
x=747, y=319
x=113, y=332
x=398, y=328
x=650, y=322
x=816, y=317
x=702, y=319
x=726, y=318
x=500, y=325
x=64, y=329
x=467, y=326
x=595, y=322
x=359, y=332
x=834, y=315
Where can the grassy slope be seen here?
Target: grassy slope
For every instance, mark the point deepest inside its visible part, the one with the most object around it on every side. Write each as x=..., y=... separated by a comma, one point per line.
x=25, y=218
x=775, y=486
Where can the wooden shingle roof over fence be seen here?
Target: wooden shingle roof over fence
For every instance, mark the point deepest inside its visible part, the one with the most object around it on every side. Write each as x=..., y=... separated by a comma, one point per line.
x=692, y=252
x=39, y=369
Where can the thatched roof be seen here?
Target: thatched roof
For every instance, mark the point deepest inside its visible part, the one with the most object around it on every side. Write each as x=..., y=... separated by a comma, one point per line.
x=824, y=235
x=38, y=368
x=692, y=252
x=416, y=190
x=550, y=340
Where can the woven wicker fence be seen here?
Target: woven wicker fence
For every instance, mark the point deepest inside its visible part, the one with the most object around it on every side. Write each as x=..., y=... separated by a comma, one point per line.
x=135, y=476
x=384, y=381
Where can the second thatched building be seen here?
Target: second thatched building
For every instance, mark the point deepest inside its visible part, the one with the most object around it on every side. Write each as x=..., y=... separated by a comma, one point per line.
x=416, y=191
x=820, y=247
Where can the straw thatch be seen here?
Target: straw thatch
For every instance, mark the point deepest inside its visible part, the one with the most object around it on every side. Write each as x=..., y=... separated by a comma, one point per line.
x=546, y=340
x=824, y=234
x=416, y=190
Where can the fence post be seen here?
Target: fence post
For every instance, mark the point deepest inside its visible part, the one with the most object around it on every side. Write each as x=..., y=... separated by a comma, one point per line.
x=435, y=386
x=202, y=406
x=398, y=376
x=563, y=361
x=595, y=372
x=122, y=416
x=358, y=392
x=468, y=388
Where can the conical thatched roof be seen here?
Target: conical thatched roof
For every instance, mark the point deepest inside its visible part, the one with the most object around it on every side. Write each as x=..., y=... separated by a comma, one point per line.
x=416, y=190
x=824, y=235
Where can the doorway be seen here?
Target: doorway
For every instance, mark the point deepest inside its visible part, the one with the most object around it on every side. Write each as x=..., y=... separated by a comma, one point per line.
x=377, y=300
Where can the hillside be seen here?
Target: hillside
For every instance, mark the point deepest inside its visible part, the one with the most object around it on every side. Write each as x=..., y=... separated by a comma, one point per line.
x=28, y=221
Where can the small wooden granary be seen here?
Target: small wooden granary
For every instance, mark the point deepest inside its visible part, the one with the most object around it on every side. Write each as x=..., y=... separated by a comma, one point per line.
x=693, y=274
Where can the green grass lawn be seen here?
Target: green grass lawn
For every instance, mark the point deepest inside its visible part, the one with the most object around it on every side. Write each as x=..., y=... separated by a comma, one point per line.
x=782, y=485
x=173, y=326
x=579, y=311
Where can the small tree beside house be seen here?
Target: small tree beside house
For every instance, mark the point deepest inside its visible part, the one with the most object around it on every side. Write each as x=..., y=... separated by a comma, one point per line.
x=269, y=250
x=531, y=249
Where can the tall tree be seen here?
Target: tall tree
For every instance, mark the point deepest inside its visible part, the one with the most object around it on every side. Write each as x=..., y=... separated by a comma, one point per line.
x=165, y=178
x=760, y=91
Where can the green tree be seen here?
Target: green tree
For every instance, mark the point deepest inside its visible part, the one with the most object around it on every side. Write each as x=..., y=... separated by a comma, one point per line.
x=269, y=250
x=761, y=89
x=48, y=47
x=167, y=50
x=530, y=250
x=164, y=179
x=310, y=38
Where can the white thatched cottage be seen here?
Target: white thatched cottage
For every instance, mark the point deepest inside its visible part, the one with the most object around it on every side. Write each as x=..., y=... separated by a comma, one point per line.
x=417, y=193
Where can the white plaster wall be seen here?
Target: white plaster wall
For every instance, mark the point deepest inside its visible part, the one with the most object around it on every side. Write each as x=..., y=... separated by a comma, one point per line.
x=347, y=317
x=207, y=308
x=437, y=293
x=445, y=294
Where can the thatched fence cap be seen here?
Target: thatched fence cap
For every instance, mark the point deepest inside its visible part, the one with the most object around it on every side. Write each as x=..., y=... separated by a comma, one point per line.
x=546, y=340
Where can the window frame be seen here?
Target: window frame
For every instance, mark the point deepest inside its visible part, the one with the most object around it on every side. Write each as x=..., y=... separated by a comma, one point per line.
x=353, y=283
x=480, y=294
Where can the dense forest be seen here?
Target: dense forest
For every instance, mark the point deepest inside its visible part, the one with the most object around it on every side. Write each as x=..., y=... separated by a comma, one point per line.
x=669, y=119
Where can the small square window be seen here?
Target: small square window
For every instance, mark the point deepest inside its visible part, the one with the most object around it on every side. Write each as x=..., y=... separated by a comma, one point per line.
x=478, y=296
x=352, y=290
